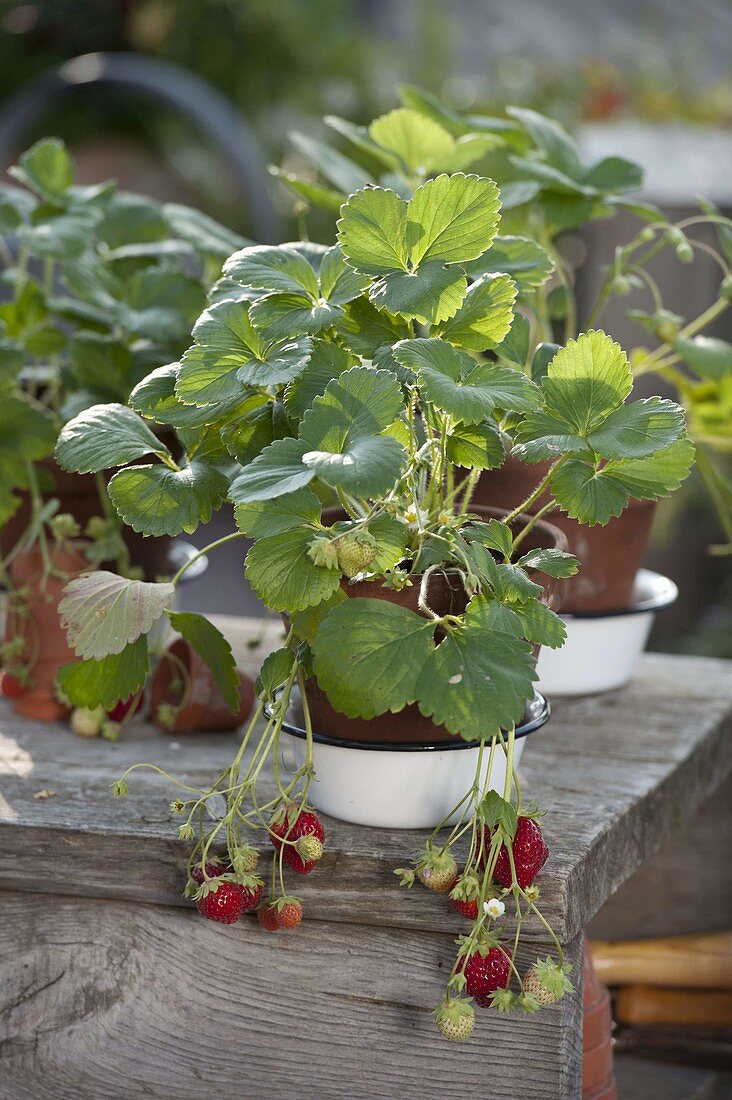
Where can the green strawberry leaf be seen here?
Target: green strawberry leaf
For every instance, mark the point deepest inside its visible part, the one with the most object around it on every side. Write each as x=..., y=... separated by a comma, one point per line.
x=104, y=436
x=587, y=494
x=365, y=329
x=105, y=683
x=372, y=231
x=494, y=810
x=658, y=474
x=368, y=656
x=278, y=470
x=275, y=671
x=46, y=168
x=452, y=219
x=306, y=623
x=281, y=269
x=708, y=356
x=520, y=257
x=476, y=446
x=540, y=625
x=27, y=430
x=282, y=573
x=477, y=680
x=339, y=283
x=555, y=563
x=417, y=142
x=587, y=380
x=156, y=500
x=638, y=429
x=484, y=319
x=514, y=348
x=154, y=398
x=213, y=649
x=259, y=423
x=283, y=316
x=429, y=294
x=327, y=361
x=102, y=612
x=271, y=517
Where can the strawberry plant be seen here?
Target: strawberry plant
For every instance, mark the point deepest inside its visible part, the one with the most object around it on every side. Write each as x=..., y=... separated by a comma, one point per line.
x=381, y=376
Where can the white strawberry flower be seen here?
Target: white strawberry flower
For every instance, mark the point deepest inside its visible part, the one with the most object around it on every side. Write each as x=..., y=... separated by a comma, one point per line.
x=494, y=908
x=415, y=518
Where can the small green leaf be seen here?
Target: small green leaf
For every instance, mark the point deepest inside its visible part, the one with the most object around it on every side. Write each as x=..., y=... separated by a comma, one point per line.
x=452, y=219
x=372, y=231
x=514, y=348
x=478, y=679
x=657, y=475
x=496, y=811
x=275, y=670
x=484, y=319
x=551, y=139
x=587, y=494
x=278, y=470
x=368, y=656
x=104, y=436
x=540, y=625
x=343, y=173
x=555, y=563
x=416, y=140
x=543, y=355
x=46, y=168
x=494, y=534
x=587, y=380
x=391, y=543
x=207, y=236
x=359, y=403
x=259, y=423
x=156, y=500
x=430, y=294
x=105, y=683
x=281, y=269
x=282, y=573
x=271, y=517
x=102, y=612
x=154, y=398
x=614, y=174
x=325, y=198
x=339, y=283
x=306, y=623
x=523, y=259
x=213, y=649
x=476, y=446
x=638, y=429
x=365, y=328
x=283, y=316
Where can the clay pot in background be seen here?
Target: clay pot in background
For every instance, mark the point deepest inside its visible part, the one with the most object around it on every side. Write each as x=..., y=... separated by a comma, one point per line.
x=446, y=595
x=205, y=709
x=610, y=555
x=78, y=495
x=42, y=628
x=598, y=1082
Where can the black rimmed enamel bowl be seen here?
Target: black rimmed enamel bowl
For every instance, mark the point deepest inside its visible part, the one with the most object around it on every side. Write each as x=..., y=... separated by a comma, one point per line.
x=603, y=647
x=397, y=786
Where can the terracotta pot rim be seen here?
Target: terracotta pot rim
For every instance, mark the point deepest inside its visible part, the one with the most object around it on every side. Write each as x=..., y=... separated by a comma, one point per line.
x=539, y=714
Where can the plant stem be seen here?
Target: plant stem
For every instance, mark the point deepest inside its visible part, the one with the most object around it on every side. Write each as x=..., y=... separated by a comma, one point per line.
x=205, y=550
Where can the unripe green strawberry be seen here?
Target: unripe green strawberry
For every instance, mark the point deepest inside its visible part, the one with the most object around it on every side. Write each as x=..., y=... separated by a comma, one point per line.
x=110, y=730
x=455, y=1018
x=356, y=551
x=310, y=848
x=87, y=723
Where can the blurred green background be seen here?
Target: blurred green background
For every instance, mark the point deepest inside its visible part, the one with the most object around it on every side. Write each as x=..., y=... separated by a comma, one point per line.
x=649, y=80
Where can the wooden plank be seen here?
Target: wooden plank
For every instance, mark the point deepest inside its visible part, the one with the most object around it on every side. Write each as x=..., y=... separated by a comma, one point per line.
x=617, y=774
x=109, y=999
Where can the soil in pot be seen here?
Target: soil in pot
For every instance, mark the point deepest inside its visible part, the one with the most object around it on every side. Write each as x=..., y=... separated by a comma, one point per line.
x=46, y=647
x=611, y=555
x=78, y=496
x=184, y=683
x=446, y=595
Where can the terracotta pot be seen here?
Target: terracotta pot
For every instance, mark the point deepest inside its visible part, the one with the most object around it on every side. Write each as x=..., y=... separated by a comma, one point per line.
x=446, y=595
x=598, y=1082
x=78, y=495
x=610, y=555
x=205, y=708
x=42, y=628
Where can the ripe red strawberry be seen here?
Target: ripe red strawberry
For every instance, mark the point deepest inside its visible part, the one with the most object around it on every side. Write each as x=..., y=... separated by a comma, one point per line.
x=125, y=708
x=307, y=823
x=469, y=909
x=223, y=905
x=530, y=853
x=486, y=973
x=213, y=869
x=290, y=914
x=10, y=686
x=269, y=917
x=251, y=896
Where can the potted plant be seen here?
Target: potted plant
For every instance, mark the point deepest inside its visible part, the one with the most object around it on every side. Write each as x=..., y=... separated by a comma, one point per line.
x=349, y=391
x=101, y=287
x=547, y=190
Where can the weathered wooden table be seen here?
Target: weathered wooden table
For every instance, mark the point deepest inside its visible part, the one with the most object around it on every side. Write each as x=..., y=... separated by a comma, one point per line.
x=111, y=986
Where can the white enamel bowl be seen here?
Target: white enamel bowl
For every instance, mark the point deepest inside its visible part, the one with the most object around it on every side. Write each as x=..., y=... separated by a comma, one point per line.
x=602, y=648
x=398, y=786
